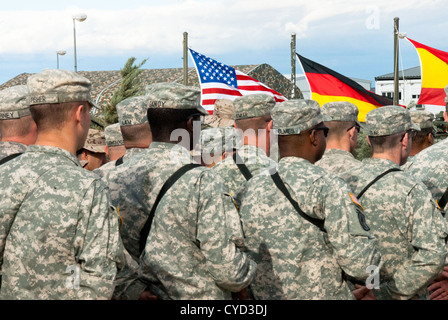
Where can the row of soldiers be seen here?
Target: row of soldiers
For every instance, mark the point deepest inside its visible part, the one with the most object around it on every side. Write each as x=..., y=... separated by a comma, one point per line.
x=269, y=203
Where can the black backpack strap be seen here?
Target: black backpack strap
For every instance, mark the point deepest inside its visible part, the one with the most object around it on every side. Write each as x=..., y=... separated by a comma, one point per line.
x=171, y=180
x=443, y=200
x=243, y=168
x=10, y=157
x=280, y=184
x=375, y=180
x=119, y=161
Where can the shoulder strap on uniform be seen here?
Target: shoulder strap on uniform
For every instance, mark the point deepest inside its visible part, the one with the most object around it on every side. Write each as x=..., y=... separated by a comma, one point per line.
x=280, y=184
x=243, y=168
x=375, y=180
x=119, y=161
x=443, y=200
x=171, y=180
x=10, y=157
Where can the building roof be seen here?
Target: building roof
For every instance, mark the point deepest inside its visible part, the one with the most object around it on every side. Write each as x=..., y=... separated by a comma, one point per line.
x=411, y=73
x=104, y=83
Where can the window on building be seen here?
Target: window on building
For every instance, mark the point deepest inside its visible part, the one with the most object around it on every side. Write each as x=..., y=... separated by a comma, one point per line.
x=415, y=96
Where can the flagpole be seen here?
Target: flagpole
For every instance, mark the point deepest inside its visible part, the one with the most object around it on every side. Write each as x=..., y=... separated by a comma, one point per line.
x=293, y=64
x=185, y=42
x=396, y=80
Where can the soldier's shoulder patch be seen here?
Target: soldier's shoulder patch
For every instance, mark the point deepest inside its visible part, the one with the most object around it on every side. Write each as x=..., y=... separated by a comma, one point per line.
x=355, y=200
x=360, y=212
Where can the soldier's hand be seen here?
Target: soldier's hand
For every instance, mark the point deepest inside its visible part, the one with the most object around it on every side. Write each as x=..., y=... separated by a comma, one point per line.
x=242, y=295
x=439, y=290
x=147, y=295
x=363, y=293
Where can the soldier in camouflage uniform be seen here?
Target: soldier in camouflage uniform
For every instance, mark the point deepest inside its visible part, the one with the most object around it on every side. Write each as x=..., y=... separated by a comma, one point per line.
x=217, y=144
x=296, y=259
x=17, y=128
x=114, y=142
x=253, y=121
x=399, y=208
x=190, y=253
x=342, y=138
x=93, y=154
x=222, y=114
x=135, y=131
x=59, y=236
x=423, y=138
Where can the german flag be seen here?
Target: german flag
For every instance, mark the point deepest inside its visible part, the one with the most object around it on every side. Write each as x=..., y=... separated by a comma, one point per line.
x=434, y=66
x=327, y=85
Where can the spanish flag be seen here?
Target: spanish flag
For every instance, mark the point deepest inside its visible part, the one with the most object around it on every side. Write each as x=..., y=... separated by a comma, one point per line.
x=327, y=85
x=434, y=66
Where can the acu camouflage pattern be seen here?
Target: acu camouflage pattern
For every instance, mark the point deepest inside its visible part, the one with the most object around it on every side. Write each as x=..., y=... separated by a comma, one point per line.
x=253, y=105
x=191, y=251
x=431, y=167
x=295, y=260
x=106, y=168
x=337, y=161
x=256, y=161
x=341, y=111
x=174, y=96
x=113, y=135
x=424, y=119
x=215, y=141
x=56, y=227
x=295, y=116
x=388, y=120
x=132, y=111
x=408, y=225
x=8, y=148
x=58, y=86
x=13, y=103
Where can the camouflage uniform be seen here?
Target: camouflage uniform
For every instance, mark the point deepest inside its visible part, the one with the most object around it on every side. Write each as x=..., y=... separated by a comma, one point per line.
x=13, y=105
x=112, y=134
x=401, y=214
x=131, y=111
x=338, y=160
x=254, y=158
x=190, y=253
x=59, y=236
x=295, y=259
x=222, y=115
x=424, y=119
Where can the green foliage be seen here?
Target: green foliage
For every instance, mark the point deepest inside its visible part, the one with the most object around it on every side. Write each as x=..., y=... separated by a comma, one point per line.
x=129, y=87
x=363, y=150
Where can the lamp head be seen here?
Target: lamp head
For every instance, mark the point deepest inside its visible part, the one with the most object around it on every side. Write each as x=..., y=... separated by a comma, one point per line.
x=80, y=17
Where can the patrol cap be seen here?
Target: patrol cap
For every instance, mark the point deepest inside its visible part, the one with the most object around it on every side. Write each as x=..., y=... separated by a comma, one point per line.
x=341, y=111
x=218, y=140
x=388, y=120
x=446, y=93
x=424, y=119
x=295, y=116
x=58, y=86
x=253, y=105
x=13, y=102
x=95, y=141
x=113, y=135
x=174, y=96
x=132, y=111
x=222, y=115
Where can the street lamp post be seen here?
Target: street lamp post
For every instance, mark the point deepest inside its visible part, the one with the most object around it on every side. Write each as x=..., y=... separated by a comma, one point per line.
x=59, y=53
x=80, y=17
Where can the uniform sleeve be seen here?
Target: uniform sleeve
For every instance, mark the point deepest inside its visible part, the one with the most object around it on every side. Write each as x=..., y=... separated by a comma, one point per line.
x=354, y=246
x=426, y=230
x=217, y=230
x=98, y=247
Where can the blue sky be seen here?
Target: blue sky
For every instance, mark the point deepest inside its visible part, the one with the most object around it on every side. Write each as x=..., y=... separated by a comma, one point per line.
x=352, y=37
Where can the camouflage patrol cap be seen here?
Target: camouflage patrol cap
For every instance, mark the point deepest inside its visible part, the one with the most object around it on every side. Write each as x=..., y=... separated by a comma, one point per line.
x=388, y=120
x=13, y=102
x=222, y=115
x=446, y=94
x=341, y=111
x=132, y=111
x=113, y=135
x=423, y=118
x=218, y=140
x=253, y=105
x=58, y=86
x=174, y=96
x=95, y=141
x=295, y=116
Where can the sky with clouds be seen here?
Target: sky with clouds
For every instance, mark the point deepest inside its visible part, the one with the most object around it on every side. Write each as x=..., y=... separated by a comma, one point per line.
x=352, y=37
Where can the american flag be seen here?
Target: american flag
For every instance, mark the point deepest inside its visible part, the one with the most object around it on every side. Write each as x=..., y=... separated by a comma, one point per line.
x=219, y=81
